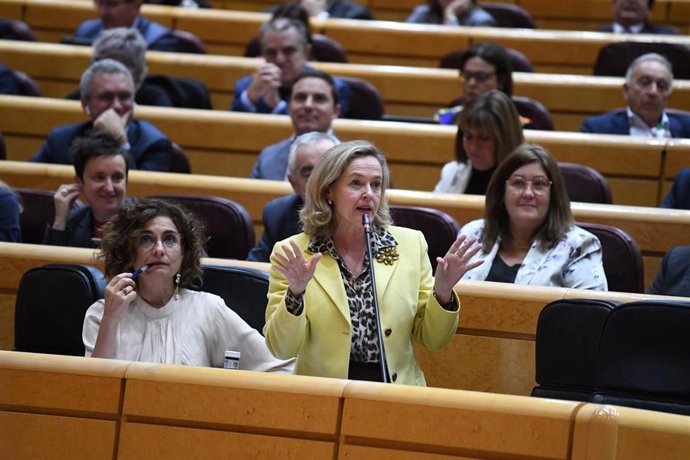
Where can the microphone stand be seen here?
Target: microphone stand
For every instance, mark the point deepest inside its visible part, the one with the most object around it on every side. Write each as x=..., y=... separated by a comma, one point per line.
x=377, y=311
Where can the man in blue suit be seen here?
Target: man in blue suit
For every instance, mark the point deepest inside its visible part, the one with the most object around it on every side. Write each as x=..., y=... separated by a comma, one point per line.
x=281, y=216
x=632, y=17
x=285, y=47
x=107, y=97
x=313, y=107
x=673, y=277
x=647, y=88
x=125, y=13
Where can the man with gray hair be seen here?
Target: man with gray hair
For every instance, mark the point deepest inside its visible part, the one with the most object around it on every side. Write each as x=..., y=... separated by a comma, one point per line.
x=281, y=216
x=647, y=88
x=107, y=98
x=286, y=50
x=129, y=47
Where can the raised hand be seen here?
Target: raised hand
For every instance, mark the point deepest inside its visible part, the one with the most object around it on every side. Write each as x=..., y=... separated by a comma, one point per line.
x=455, y=8
x=453, y=266
x=265, y=83
x=119, y=293
x=295, y=267
x=64, y=199
x=114, y=124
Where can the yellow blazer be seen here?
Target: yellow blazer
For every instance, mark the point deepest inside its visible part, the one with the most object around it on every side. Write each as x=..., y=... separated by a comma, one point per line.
x=320, y=336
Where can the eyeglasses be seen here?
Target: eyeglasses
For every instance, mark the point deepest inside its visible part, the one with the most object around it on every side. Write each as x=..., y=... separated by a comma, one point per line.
x=479, y=77
x=170, y=241
x=540, y=185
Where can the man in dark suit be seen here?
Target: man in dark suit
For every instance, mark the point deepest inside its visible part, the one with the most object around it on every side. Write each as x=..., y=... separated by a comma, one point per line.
x=679, y=195
x=313, y=107
x=281, y=216
x=673, y=277
x=647, y=88
x=285, y=47
x=125, y=13
x=632, y=17
x=107, y=97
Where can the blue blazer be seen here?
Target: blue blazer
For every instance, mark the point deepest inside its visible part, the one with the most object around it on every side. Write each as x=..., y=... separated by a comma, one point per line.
x=157, y=36
x=150, y=149
x=261, y=107
x=679, y=195
x=281, y=221
x=616, y=122
x=673, y=277
x=272, y=161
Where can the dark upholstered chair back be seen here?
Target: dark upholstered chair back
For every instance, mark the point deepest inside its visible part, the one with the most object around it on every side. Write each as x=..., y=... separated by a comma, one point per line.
x=180, y=162
x=567, y=347
x=521, y=63
x=585, y=184
x=14, y=29
x=26, y=86
x=243, y=289
x=3, y=150
x=229, y=227
x=39, y=211
x=187, y=42
x=622, y=258
x=51, y=303
x=440, y=229
x=644, y=357
x=509, y=15
x=183, y=92
x=365, y=100
x=323, y=49
x=540, y=117
x=615, y=58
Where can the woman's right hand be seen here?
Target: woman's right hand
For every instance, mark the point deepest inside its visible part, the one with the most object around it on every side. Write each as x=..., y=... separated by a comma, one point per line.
x=295, y=267
x=119, y=293
x=64, y=199
x=456, y=8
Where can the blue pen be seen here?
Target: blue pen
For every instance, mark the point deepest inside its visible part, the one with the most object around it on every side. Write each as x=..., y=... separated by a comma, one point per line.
x=139, y=271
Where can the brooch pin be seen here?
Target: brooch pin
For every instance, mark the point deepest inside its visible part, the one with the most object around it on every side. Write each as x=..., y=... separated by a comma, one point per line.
x=387, y=255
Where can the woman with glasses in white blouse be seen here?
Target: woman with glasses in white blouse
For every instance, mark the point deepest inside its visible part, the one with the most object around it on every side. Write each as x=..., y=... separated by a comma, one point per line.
x=528, y=234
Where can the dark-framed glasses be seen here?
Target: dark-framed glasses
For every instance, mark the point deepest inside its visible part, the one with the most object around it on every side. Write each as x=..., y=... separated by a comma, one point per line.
x=479, y=76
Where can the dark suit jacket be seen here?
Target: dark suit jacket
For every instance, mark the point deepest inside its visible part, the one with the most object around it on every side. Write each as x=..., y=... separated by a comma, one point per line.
x=158, y=37
x=261, y=107
x=10, y=227
x=281, y=221
x=647, y=29
x=272, y=161
x=673, y=277
x=150, y=149
x=77, y=232
x=617, y=122
x=679, y=195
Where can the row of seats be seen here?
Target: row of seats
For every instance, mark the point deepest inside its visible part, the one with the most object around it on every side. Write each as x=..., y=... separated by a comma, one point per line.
x=634, y=354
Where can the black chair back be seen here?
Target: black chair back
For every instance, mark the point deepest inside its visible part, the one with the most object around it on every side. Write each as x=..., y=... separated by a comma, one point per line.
x=538, y=114
x=509, y=15
x=567, y=348
x=644, y=358
x=187, y=42
x=439, y=228
x=243, y=289
x=180, y=162
x=365, y=100
x=615, y=58
x=229, y=227
x=26, y=86
x=183, y=92
x=3, y=151
x=14, y=29
x=585, y=184
x=51, y=303
x=621, y=258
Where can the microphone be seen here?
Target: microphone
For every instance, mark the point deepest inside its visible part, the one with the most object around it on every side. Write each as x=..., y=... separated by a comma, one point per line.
x=366, y=222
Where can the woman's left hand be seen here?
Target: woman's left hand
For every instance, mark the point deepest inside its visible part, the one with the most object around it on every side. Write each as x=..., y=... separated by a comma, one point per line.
x=453, y=266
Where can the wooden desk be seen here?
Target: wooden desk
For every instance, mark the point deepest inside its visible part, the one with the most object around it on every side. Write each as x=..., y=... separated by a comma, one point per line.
x=370, y=42
x=227, y=143
x=405, y=91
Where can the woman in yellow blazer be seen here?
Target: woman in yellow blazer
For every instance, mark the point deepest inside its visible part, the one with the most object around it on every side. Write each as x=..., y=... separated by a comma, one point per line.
x=320, y=305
